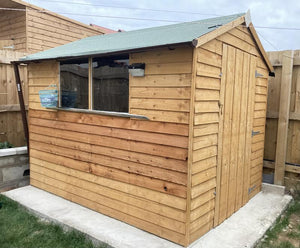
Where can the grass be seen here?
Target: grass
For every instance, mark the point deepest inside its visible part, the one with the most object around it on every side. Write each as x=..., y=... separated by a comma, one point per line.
x=286, y=231
x=19, y=228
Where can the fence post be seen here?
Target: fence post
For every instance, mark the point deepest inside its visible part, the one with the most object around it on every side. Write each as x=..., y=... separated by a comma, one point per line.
x=22, y=104
x=283, y=117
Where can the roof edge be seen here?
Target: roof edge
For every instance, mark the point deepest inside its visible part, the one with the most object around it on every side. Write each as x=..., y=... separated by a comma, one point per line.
x=225, y=28
x=140, y=49
x=261, y=48
x=219, y=31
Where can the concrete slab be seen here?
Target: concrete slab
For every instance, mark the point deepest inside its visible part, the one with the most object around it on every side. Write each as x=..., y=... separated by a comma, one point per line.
x=243, y=229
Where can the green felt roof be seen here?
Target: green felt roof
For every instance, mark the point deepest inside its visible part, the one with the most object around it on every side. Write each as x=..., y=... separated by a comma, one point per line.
x=137, y=39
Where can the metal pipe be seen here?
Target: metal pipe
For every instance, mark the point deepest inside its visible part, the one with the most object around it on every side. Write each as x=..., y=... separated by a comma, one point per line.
x=21, y=101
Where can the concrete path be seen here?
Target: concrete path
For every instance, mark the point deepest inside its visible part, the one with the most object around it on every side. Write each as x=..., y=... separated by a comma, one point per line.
x=243, y=229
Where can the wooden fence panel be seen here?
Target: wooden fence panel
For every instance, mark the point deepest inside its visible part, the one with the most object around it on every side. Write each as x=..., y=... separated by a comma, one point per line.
x=282, y=144
x=11, y=128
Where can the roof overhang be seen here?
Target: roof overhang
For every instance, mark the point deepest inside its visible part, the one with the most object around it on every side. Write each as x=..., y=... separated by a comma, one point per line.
x=136, y=50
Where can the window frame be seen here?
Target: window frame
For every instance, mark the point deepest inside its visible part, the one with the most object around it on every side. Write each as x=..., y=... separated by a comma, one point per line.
x=91, y=96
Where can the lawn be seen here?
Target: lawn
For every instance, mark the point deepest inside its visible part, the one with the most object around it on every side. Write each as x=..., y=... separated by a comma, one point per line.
x=286, y=231
x=21, y=229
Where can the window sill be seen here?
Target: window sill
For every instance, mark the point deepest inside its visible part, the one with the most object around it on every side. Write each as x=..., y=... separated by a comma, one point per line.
x=99, y=112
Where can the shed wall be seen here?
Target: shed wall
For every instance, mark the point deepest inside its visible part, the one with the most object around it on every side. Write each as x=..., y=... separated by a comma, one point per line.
x=206, y=127
x=45, y=31
x=13, y=26
x=132, y=170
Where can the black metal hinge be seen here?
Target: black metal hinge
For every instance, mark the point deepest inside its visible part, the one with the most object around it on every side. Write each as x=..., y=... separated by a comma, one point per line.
x=251, y=189
x=255, y=133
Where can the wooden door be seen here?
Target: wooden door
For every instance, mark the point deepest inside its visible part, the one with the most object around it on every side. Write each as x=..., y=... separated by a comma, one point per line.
x=235, y=131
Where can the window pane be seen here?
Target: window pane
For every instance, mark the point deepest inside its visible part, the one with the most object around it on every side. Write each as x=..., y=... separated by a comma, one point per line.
x=74, y=84
x=110, y=84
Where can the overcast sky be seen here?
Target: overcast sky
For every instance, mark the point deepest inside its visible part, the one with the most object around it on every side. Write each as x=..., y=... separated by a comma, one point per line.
x=267, y=13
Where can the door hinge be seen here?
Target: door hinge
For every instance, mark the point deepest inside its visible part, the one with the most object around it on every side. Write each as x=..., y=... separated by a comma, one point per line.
x=255, y=133
x=251, y=189
x=258, y=74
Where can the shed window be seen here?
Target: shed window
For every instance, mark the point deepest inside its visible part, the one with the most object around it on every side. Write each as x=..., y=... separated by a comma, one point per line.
x=74, y=84
x=110, y=84
x=95, y=84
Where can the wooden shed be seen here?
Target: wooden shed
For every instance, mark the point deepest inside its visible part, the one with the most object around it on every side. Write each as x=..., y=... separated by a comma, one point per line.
x=174, y=144
x=32, y=29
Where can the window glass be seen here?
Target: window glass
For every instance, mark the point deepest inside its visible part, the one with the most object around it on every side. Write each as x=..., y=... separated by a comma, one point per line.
x=74, y=84
x=110, y=84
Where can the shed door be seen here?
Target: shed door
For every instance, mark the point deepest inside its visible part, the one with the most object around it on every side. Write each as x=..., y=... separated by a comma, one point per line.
x=236, y=117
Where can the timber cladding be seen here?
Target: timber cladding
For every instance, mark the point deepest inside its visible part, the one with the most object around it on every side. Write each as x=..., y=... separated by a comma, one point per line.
x=196, y=161
x=34, y=29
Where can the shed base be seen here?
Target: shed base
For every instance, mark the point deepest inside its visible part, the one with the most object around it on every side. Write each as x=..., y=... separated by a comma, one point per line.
x=243, y=229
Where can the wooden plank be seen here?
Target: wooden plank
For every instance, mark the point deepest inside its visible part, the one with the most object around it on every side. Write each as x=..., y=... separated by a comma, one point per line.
x=201, y=231
x=261, y=48
x=207, y=107
x=160, y=104
x=206, y=129
x=207, y=218
x=172, y=80
x=209, y=58
x=261, y=90
x=204, y=164
x=207, y=95
x=208, y=83
x=168, y=68
x=243, y=36
x=206, y=118
x=200, y=211
x=190, y=149
x=233, y=167
x=203, y=198
x=283, y=120
x=220, y=135
x=163, y=116
x=163, y=93
x=227, y=129
x=205, y=141
x=238, y=43
x=214, y=46
x=288, y=167
x=163, y=55
x=208, y=70
x=204, y=176
x=260, y=114
x=249, y=127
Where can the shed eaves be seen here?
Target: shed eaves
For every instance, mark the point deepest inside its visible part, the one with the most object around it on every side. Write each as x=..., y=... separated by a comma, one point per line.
x=137, y=39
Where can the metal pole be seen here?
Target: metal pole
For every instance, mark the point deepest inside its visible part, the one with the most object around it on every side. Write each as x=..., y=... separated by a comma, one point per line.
x=22, y=104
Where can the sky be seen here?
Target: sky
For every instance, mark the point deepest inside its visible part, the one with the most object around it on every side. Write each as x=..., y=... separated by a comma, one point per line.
x=268, y=16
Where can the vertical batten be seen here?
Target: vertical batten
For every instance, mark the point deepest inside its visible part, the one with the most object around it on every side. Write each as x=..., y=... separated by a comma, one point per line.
x=91, y=105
